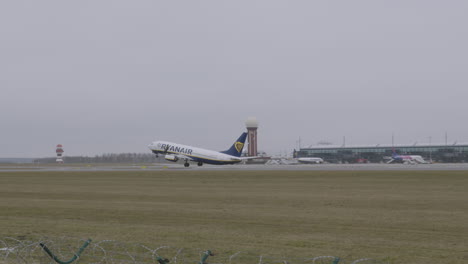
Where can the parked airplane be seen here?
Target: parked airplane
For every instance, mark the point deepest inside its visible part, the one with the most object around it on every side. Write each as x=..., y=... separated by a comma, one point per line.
x=174, y=152
x=407, y=159
x=310, y=160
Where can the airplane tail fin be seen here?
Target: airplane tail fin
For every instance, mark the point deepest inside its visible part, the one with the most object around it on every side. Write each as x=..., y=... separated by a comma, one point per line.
x=236, y=148
x=394, y=154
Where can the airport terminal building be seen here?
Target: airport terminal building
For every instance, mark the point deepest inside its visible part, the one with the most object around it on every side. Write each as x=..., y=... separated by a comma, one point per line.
x=383, y=153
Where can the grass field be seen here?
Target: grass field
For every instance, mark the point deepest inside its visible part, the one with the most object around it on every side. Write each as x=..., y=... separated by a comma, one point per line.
x=396, y=216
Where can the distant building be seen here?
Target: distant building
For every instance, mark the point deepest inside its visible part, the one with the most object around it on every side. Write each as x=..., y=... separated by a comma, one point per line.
x=381, y=153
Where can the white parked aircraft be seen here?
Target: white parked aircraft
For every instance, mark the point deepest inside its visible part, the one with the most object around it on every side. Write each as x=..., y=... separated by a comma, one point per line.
x=407, y=159
x=175, y=152
x=310, y=160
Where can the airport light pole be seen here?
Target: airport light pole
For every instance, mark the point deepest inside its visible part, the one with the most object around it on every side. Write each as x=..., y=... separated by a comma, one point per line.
x=430, y=149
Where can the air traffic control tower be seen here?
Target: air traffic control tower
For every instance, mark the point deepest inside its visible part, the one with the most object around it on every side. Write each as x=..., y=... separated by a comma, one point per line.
x=252, y=125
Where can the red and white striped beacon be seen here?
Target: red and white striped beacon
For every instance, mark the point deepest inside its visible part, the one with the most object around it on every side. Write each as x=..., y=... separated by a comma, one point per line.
x=59, y=152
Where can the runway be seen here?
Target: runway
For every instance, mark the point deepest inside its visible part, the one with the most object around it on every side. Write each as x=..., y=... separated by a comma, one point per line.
x=240, y=167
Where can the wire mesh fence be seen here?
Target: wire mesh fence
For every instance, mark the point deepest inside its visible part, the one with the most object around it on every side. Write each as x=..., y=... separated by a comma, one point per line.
x=66, y=250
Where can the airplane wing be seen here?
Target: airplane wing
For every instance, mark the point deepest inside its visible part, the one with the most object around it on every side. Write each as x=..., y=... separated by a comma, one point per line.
x=247, y=158
x=420, y=160
x=183, y=157
x=176, y=157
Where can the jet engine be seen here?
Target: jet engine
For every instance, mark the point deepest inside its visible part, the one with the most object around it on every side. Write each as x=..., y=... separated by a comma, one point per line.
x=172, y=158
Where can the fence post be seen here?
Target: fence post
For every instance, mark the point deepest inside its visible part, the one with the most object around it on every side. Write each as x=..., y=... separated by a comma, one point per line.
x=162, y=261
x=336, y=260
x=205, y=256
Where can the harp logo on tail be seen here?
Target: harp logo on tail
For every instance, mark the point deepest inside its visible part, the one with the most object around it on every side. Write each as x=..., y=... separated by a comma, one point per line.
x=239, y=145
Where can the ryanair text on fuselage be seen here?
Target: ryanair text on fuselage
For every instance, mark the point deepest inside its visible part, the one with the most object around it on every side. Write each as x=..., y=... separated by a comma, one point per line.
x=170, y=148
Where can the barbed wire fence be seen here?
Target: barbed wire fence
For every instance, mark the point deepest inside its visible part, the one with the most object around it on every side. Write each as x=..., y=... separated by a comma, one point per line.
x=67, y=250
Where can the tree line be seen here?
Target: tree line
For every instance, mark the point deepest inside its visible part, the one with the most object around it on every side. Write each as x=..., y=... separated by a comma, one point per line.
x=104, y=158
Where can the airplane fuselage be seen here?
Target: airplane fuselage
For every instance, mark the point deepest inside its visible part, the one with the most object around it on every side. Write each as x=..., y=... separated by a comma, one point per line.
x=310, y=160
x=409, y=158
x=174, y=152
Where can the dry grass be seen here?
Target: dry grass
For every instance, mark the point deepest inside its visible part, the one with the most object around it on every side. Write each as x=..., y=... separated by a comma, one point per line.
x=401, y=217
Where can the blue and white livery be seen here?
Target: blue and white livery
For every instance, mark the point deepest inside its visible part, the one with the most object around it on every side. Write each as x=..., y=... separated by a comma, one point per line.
x=175, y=152
x=407, y=159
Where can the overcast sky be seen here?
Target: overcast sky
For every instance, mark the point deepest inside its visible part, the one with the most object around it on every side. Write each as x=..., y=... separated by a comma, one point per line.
x=112, y=76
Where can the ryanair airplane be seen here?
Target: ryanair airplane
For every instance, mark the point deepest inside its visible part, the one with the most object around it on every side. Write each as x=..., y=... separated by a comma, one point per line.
x=174, y=152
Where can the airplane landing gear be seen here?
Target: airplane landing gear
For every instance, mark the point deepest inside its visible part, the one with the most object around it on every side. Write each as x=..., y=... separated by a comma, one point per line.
x=200, y=163
x=186, y=164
